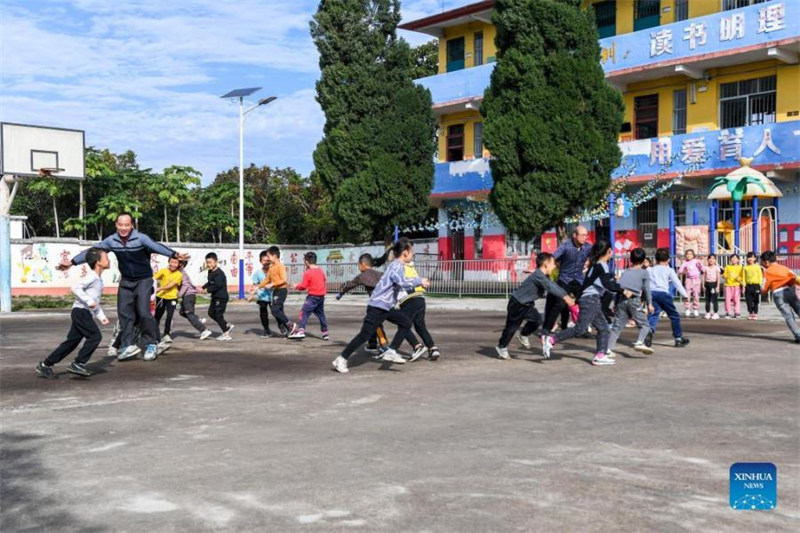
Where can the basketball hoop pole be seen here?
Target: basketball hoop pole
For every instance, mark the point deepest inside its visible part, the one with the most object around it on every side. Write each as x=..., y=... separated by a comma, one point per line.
x=7, y=193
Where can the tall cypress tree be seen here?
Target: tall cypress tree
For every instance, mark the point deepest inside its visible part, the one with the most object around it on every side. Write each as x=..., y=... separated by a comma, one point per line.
x=376, y=156
x=551, y=121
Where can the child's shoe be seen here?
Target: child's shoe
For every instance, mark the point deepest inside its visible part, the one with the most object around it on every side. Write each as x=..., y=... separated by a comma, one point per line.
x=715, y=316
x=707, y=316
x=45, y=371
x=696, y=313
x=547, y=344
x=325, y=336
x=340, y=365
x=205, y=334
x=524, y=340
x=502, y=353
x=299, y=333
x=601, y=359
x=79, y=370
x=433, y=354
x=643, y=348
x=688, y=313
x=680, y=342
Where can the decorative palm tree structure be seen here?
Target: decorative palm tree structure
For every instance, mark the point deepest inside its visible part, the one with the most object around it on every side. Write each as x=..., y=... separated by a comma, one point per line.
x=744, y=182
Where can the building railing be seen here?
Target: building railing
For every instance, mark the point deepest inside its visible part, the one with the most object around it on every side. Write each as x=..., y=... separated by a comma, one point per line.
x=479, y=277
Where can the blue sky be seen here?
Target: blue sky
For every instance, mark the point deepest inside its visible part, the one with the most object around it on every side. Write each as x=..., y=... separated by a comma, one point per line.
x=146, y=75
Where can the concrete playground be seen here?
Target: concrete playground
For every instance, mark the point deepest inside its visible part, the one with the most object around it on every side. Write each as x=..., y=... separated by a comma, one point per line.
x=261, y=435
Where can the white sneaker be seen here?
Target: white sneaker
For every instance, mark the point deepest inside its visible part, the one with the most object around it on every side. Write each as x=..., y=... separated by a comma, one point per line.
x=502, y=353
x=524, y=340
x=228, y=331
x=610, y=354
x=707, y=316
x=715, y=316
x=602, y=359
x=687, y=314
x=224, y=337
x=696, y=313
x=166, y=339
x=205, y=334
x=151, y=353
x=392, y=356
x=340, y=365
x=547, y=345
x=162, y=347
x=643, y=348
x=130, y=352
x=419, y=352
x=112, y=352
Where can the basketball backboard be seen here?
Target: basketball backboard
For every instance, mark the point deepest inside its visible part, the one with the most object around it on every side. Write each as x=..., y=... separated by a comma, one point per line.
x=25, y=150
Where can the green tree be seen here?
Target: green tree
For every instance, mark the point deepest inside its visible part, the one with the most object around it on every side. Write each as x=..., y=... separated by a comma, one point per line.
x=172, y=188
x=376, y=156
x=426, y=59
x=550, y=120
x=55, y=189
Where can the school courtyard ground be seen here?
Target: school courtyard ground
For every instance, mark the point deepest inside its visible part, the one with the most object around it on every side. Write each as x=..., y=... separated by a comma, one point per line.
x=260, y=435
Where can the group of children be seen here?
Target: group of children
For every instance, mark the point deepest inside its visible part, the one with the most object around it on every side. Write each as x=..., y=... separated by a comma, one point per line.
x=641, y=294
x=735, y=279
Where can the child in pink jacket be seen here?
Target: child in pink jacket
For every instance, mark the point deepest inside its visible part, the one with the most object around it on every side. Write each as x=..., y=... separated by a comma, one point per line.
x=692, y=268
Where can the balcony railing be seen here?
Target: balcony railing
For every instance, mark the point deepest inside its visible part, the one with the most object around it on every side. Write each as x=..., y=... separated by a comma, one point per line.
x=458, y=86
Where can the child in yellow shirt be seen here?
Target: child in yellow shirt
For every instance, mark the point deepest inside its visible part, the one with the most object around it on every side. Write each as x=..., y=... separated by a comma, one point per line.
x=753, y=279
x=169, y=282
x=734, y=280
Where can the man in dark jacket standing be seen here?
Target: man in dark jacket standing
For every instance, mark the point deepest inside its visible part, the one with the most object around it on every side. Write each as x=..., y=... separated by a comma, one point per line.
x=133, y=250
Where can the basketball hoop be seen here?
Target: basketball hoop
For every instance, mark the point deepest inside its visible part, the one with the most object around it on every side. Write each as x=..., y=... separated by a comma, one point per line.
x=47, y=172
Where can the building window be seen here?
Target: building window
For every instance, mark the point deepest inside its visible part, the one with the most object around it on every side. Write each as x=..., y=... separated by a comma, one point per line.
x=478, y=147
x=455, y=142
x=646, y=14
x=747, y=102
x=478, y=236
x=645, y=109
x=679, y=206
x=727, y=5
x=647, y=222
x=605, y=13
x=679, y=112
x=725, y=210
x=478, y=49
x=681, y=10
x=455, y=54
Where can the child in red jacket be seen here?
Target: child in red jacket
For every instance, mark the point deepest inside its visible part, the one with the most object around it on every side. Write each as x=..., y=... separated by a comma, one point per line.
x=314, y=282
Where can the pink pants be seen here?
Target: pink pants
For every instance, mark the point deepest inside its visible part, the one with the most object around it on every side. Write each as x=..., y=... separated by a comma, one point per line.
x=732, y=297
x=693, y=289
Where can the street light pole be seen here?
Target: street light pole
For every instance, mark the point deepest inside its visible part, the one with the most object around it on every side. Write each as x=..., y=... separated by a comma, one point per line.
x=240, y=94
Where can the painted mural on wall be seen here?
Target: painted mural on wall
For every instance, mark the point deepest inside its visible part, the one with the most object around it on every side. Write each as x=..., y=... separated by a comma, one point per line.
x=692, y=238
x=34, y=265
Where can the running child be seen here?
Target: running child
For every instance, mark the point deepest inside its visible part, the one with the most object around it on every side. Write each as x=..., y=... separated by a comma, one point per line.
x=84, y=310
x=315, y=283
x=753, y=279
x=734, y=281
x=636, y=281
x=169, y=281
x=662, y=278
x=413, y=304
x=521, y=306
x=277, y=281
x=782, y=282
x=217, y=288
x=381, y=307
x=692, y=269
x=188, y=296
x=712, y=283
x=368, y=278
x=263, y=296
x=598, y=280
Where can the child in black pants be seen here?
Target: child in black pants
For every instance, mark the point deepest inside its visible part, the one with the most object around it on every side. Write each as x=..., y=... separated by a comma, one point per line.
x=84, y=310
x=217, y=288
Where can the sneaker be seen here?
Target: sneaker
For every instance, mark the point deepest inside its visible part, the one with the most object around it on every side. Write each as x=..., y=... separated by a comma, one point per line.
x=230, y=328
x=340, y=365
x=602, y=359
x=630, y=324
x=291, y=328
x=610, y=354
x=418, y=352
x=663, y=314
x=643, y=348
x=392, y=356
x=45, y=371
x=203, y=320
x=707, y=316
x=298, y=333
x=737, y=316
x=433, y=354
x=151, y=352
x=696, y=313
x=129, y=352
x=687, y=314
x=502, y=353
x=728, y=317
x=166, y=339
x=715, y=316
x=325, y=336
x=205, y=334
x=79, y=370
x=112, y=352
x=524, y=340
x=680, y=342
x=224, y=337
x=162, y=347
x=755, y=316
x=377, y=356
x=283, y=331
x=547, y=345
x=648, y=341
x=267, y=335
